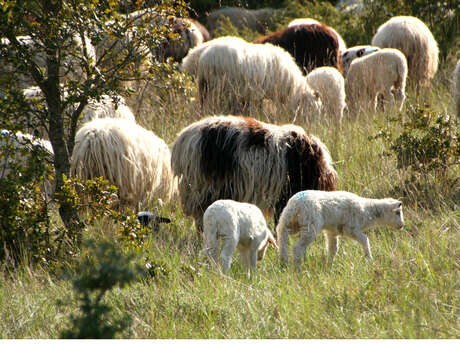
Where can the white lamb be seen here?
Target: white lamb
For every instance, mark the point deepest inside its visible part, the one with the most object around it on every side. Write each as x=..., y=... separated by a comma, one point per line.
x=456, y=87
x=238, y=225
x=382, y=72
x=354, y=52
x=330, y=85
x=234, y=76
x=338, y=213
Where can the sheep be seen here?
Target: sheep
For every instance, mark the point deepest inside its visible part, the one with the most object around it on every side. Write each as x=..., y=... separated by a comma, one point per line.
x=381, y=73
x=330, y=85
x=338, y=213
x=238, y=225
x=241, y=18
x=300, y=21
x=353, y=52
x=456, y=87
x=240, y=158
x=413, y=38
x=189, y=63
x=311, y=45
x=146, y=217
x=234, y=76
x=17, y=148
x=130, y=157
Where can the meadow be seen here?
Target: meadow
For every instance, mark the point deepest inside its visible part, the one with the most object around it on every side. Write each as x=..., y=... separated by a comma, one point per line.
x=410, y=290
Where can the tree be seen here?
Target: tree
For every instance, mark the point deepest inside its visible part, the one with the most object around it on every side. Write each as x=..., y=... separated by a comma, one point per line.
x=59, y=61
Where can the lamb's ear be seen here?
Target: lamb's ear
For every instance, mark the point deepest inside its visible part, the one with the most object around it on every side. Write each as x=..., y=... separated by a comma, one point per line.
x=272, y=241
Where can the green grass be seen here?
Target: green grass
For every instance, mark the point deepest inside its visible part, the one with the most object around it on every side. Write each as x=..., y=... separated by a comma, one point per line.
x=410, y=290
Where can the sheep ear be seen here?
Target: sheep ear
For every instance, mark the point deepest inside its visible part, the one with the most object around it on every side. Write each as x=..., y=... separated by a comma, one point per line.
x=360, y=53
x=272, y=241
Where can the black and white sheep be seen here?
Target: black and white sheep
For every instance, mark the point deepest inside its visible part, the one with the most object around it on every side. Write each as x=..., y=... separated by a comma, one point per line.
x=240, y=158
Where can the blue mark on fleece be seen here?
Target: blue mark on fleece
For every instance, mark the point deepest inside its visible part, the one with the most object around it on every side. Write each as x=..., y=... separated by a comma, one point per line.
x=301, y=194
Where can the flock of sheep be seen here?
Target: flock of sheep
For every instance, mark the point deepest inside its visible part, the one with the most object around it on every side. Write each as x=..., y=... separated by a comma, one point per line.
x=230, y=171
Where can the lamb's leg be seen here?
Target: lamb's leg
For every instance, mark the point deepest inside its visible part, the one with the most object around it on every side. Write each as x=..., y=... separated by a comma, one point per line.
x=252, y=267
x=283, y=242
x=332, y=244
x=399, y=98
x=388, y=99
x=363, y=240
x=228, y=248
x=307, y=235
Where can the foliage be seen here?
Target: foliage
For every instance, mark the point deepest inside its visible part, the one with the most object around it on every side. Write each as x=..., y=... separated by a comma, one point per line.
x=101, y=269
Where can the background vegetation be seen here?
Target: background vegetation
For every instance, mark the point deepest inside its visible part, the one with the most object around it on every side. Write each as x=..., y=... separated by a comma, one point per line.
x=53, y=287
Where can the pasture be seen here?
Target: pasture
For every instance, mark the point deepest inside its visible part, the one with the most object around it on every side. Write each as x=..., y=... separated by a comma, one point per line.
x=410, y=290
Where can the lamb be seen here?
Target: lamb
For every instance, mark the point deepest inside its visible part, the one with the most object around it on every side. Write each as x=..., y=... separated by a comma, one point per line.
x=130, y=157
x=239, y=225
x=235, y=76
x=330, y=85
x=17, y=148
x=300, y=21
x=240, y=158
x=337, y=213
x=383, y=72
x=311, y=45
x=353, y=52
x=456, y=87
x=413, y=38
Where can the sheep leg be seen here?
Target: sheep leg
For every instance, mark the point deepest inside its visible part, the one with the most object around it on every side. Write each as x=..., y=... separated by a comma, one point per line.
x=399, y=98
x=307, y=235
x=332, y=244
x=283, y=242
x=388, y=99
x=363, y=240
x=252, y=267
x=228, y=248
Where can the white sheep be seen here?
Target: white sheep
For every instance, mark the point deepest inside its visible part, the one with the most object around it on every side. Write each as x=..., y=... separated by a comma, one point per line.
x=190, y=61
x=330, y=85
x=300, y=21
x=16, y=148
x=238, y=225
x=413, y=38
x=382, y=73
x=130, y=157
x=233, y=76
x=338, y=213
x=354, y=52
x=456, y=87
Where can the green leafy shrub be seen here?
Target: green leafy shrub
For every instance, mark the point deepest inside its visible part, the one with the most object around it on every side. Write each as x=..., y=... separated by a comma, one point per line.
x=102, y=268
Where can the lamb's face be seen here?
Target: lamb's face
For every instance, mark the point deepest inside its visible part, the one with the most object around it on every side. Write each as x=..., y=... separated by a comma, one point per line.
x=394, y=215
x=261, y=252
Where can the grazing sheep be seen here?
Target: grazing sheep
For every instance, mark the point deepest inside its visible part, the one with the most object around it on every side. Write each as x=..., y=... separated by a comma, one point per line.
x=354, y=52
x=107, y=107
x=456, y=87
x=130, y=157
x=413, y=38
x=240, y=158
x=338, y=213
x=235, y=76
x=190, y=62
x=17, y=148
x=241, y=18
x=381, y=73
x=311, y=45
x=145, y=218
x=307, y=21
x=330, y=85
x=238, y=225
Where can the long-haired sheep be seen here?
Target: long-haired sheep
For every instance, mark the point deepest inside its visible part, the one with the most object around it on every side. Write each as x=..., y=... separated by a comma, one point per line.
x=233, y=76
x=311, y=45
x=241, y=18
x=381, y=73
x=240, y=158
x=239, y=225
x=413, y=38
x=338, y=214
x=330, y=85
x=456, y=87
x=300, y=21
x=354, y=52
x=130, y=157
x=17, y=148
